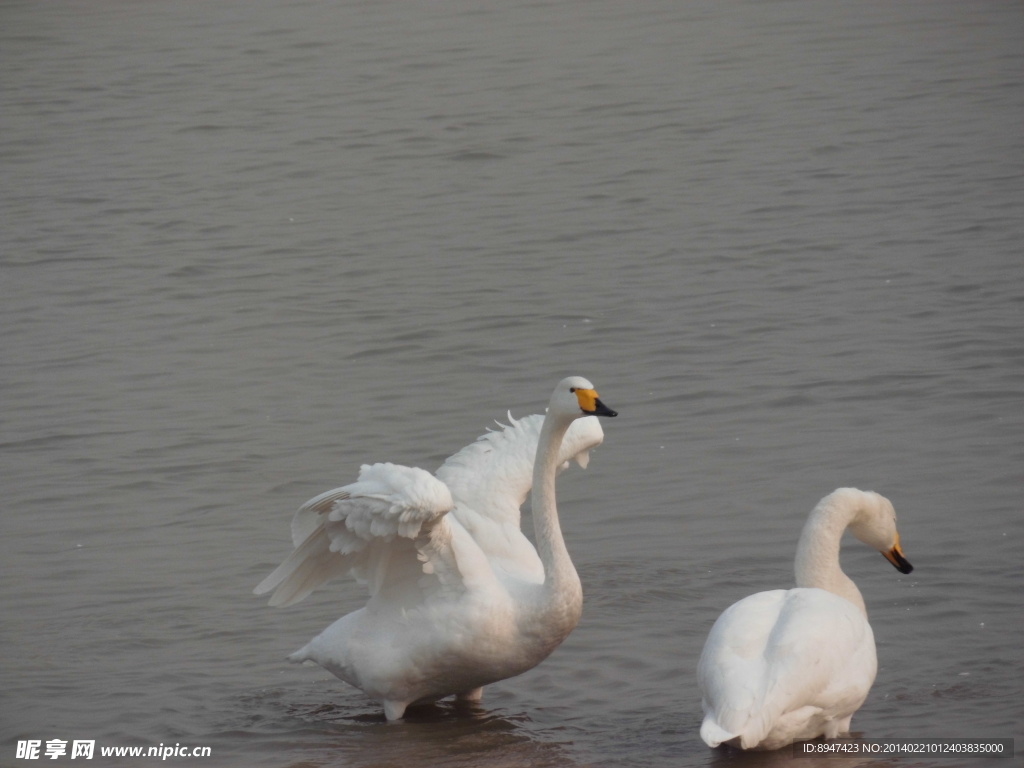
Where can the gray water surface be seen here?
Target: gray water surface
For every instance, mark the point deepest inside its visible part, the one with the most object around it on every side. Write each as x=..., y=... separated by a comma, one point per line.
x=246, y=247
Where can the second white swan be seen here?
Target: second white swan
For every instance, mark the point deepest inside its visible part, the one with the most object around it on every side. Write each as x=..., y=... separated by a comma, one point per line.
x=795, y=664
x=457, y=602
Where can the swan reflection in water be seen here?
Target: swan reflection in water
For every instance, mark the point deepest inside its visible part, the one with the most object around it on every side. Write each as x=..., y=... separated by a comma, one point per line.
x=452, y=733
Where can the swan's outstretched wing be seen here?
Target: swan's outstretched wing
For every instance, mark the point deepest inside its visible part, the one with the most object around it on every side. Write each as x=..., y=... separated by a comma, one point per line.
x=392, y=524
x=491, y=478
x=493, y=475
x=392, y=520
x=776, y=652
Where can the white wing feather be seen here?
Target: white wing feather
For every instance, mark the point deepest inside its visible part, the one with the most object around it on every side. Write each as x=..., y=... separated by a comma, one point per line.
x=373, y=527
x=493, y=475
x=390, y=514
x=491, y=478
x=311, y=514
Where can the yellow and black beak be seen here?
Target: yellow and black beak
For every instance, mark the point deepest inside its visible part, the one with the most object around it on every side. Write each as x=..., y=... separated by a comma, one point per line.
x=895, y=556
x=591, y=404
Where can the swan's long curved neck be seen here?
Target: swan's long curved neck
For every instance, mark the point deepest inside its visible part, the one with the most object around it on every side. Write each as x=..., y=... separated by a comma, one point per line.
x=817, y=553
x=562, y=590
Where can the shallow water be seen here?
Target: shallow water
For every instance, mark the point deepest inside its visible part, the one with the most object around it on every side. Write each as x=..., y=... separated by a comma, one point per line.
x=247, y=247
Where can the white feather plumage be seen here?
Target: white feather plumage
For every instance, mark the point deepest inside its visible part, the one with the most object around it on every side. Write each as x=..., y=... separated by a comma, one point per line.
x=459, y=597
x=788, y=665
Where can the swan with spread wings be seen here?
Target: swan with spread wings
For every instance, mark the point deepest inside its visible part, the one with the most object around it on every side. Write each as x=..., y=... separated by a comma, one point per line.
x=459, y=597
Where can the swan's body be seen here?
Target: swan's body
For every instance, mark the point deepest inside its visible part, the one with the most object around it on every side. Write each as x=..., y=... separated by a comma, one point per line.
x=459, y=596
x=795, y=664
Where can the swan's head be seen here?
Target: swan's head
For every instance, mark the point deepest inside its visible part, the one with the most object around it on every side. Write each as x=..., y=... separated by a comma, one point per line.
x=575, y=397
x=875, y=525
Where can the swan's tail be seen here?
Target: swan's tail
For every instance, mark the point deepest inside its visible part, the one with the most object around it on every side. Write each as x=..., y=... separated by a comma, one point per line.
x=712, y=733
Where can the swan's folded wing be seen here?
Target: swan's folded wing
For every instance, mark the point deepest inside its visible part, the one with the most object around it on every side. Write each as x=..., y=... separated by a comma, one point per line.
x=375, y=526
x=820, y=653
x=774, y=652
x=731, y=669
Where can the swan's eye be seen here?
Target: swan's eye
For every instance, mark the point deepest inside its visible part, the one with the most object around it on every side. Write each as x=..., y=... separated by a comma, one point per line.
x=572, y=389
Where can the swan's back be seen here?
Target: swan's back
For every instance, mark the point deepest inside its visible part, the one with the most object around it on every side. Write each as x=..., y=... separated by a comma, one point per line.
x=779, y=665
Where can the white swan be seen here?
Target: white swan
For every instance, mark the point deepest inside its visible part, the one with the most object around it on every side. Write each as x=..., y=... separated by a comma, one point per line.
x=457, y=600
x=488, y=480
x=789, y=665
